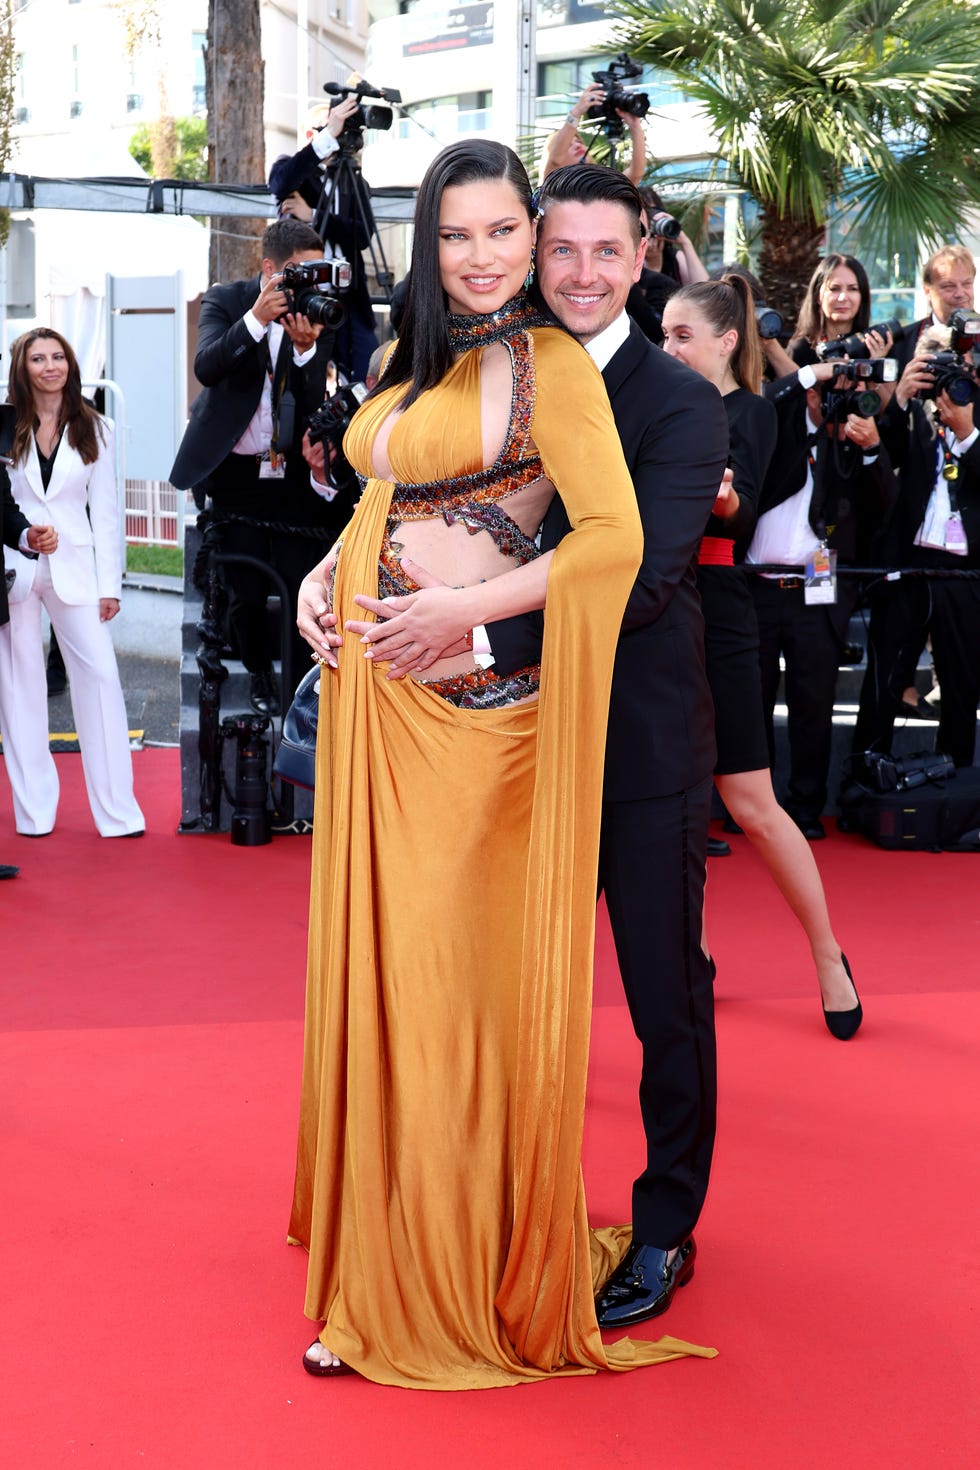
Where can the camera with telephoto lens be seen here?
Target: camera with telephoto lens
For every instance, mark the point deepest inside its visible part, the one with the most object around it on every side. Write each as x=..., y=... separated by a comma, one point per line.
x=312, y=286
x=855, y=345
x=250, y=819
x=616, y=100
x=951, y=373
x=329, y=425
x=838, y=402
x=666, y=226
x=768, y=322
x=351, y=138
x=334, y=414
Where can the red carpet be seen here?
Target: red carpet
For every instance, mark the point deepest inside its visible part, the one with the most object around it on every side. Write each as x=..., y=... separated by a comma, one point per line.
x=150, y=1023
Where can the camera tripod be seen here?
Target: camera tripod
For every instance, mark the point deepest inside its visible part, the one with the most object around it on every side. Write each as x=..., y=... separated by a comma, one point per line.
x=343, y=195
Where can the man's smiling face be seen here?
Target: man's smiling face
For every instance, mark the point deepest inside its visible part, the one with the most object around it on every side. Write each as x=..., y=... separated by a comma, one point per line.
x=587, y=259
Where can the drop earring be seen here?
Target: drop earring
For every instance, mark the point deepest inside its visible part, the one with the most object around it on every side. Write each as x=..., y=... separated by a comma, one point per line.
x=529, y=278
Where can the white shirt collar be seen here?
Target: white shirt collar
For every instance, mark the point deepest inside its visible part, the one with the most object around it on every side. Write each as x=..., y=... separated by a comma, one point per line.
x=603, y=348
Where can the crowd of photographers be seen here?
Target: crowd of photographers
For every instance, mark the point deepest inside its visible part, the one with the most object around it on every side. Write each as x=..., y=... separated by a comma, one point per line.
x=876, y=462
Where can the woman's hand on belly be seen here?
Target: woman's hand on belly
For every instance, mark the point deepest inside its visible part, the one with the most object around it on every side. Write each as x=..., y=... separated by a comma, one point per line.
x=315, y=621
x=417, y=630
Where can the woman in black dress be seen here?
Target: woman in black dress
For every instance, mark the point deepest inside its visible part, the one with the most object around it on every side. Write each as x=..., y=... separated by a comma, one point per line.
x=710, y=326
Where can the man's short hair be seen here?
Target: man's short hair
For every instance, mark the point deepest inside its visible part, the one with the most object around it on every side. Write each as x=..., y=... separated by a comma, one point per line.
x=948, y=256
x=285, y=237
x=590, y=183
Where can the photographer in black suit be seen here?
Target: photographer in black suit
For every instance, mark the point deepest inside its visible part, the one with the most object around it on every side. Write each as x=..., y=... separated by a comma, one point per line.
x=311, y=185
x=935, y=444
x=261, y=364
x=830, y=484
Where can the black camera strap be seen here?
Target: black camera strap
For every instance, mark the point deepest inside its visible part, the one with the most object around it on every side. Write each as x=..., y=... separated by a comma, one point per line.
x=818, y=491
x=950, y=470
x=283, y=400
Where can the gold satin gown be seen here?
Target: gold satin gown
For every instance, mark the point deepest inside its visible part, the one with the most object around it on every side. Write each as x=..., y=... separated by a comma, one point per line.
x=438, y=1183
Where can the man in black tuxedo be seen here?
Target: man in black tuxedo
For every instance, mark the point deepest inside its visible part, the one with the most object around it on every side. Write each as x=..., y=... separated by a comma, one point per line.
x=17, y=532
x=263, y=370
x=935, y=445
x=322, y=184
x=660, y=749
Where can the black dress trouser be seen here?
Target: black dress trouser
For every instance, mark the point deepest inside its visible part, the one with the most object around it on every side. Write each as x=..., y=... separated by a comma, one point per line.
x=652, y=870
x=903, y=615
x=810, y=639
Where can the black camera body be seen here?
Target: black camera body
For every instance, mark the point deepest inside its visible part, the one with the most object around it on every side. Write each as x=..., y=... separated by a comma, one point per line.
x=617, y=100
x=951, y=373
x=855, y=345
x=885, y=773
x=330, y=421
x=351, y=138
x=838, y=402
x=311, y=287
x=329, y=425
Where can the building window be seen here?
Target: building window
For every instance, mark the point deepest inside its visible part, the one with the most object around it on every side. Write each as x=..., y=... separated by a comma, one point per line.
x=75, y=110
x=134, y=102
x=199, y=91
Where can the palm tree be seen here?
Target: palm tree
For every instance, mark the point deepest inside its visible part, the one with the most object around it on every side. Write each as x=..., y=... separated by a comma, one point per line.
x=813, y=102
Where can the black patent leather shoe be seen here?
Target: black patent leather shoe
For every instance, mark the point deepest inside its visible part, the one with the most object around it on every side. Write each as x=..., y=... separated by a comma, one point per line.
x=718, y=847
x=844, y=1024
x=811, y=827
x=262, y=694
x=643, y=1284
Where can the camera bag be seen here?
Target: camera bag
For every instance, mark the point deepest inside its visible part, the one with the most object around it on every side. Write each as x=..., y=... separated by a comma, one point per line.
x=935, y=815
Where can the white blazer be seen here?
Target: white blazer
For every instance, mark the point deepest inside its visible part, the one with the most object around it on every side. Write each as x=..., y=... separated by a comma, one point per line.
x=82, y=504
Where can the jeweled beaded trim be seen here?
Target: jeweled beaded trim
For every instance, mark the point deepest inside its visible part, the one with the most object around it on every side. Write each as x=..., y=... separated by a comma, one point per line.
x=516, y=315
x=474, y=499
x=483, y=689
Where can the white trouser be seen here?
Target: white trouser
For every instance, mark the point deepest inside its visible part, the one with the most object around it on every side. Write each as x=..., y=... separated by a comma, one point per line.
x=97, y=702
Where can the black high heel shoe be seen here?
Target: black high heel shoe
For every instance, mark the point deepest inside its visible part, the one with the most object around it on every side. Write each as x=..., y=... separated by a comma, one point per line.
x=844, y=1024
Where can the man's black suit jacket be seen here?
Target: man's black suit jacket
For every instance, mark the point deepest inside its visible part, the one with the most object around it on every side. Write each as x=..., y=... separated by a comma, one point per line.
x=912, y=441
x=857, y=499
x=674, y=433
x=232, y=367
x=13, y=524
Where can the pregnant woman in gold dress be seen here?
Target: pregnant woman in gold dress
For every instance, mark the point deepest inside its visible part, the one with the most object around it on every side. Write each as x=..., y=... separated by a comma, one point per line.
x=438, y=1184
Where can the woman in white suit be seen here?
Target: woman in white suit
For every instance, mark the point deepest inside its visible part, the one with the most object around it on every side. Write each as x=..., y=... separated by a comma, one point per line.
x=62, y=474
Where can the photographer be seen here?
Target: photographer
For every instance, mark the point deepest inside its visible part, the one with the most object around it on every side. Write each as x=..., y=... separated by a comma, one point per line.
x=262, y=363
x=828, y=486
x=837, y=304
x=931, y=429
x=567, y=146
x=948, y=280
x=669, y=250
x=312, y=185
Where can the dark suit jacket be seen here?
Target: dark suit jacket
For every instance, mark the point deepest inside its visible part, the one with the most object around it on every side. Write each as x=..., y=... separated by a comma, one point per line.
x=14, y=523
x=232, y=367
x=912, y=442
x=855, y=506
x=674, y=432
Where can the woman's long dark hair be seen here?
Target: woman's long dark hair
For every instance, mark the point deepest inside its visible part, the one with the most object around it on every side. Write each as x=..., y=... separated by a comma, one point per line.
x=810, y=324
x=728, y=305
x=422, y=355
x=78, y=417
